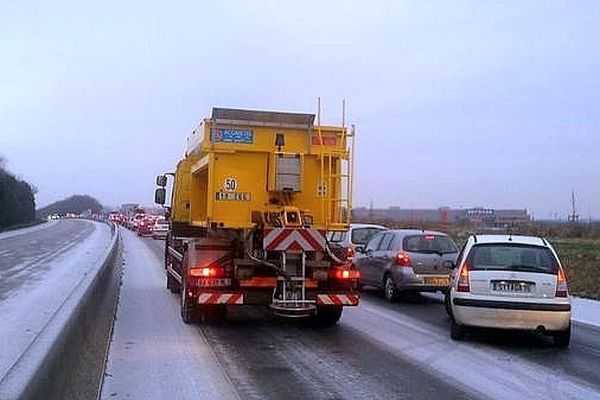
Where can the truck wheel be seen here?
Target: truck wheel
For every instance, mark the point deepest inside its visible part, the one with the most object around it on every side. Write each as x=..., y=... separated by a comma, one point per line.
x=190, y=312
x=327, y=316
x=172, y=283
x=166, y=251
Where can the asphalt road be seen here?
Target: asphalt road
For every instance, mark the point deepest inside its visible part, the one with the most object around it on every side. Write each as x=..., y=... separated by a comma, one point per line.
x=378, y=350
x=39, y=269
x=29, y=252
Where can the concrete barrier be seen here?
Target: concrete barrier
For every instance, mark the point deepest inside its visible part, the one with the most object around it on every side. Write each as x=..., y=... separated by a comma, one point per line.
x=66, y=360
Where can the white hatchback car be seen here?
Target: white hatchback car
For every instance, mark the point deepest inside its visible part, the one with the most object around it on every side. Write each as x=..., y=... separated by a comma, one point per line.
x=509, y=282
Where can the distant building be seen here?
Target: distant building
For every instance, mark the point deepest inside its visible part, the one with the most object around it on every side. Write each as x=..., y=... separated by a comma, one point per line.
x=476, y=216
x=129, y=208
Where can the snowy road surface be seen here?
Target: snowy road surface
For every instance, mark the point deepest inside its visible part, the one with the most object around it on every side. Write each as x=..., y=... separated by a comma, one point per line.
x=378, y=350
x=39, y=268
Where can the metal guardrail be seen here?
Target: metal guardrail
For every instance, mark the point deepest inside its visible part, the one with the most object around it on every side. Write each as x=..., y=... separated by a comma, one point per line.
x=66, y=359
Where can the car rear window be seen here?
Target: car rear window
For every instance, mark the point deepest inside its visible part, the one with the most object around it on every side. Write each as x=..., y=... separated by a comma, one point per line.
x=429, y=244
x=337, y=237
x=512, y=257
x=362, y=235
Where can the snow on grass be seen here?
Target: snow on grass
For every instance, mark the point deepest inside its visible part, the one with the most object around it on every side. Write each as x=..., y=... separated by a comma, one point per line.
x=586, y=311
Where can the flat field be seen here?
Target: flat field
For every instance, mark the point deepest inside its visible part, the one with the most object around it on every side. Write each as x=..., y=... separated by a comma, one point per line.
x=581, y=258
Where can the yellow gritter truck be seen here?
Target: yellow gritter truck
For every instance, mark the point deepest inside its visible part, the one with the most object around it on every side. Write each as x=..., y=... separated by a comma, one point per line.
x=252, y=201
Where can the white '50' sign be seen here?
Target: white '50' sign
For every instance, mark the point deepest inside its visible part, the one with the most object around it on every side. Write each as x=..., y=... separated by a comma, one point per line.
x=230, y=184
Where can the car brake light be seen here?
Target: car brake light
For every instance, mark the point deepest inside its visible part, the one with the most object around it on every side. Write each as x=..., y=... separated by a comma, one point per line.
x=402, y=259
x=207, y=272
x=561, y=283
x=429, y=237
x=344, y=273
x=463, y=279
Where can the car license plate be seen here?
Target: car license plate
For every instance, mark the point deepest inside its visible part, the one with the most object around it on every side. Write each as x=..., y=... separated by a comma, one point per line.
x=214, y=282
x=512, y=286
x=437, y=281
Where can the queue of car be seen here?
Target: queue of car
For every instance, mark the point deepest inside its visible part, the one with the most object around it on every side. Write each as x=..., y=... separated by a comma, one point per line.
x=143, y=224
x=507, y=282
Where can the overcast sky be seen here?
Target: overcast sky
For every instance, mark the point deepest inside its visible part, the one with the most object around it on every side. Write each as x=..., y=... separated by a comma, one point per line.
x=457, y=103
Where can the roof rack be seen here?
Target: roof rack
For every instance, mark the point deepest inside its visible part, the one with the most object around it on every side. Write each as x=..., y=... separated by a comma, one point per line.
x=474, y=237
x=544, y=241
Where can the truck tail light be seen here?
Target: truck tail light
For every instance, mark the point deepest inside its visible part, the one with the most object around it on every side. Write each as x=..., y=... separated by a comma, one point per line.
x=561, y=283
x=344, y=273
x=207, y=272
x=402, y=259
x=463, y=279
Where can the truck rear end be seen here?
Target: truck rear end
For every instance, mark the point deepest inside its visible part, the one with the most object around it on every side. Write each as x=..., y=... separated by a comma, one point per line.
x=251, y=203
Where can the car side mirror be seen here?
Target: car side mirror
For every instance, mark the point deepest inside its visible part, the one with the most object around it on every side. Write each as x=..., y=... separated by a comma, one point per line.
x=449, y=264
x=359, y=249
x=160, y=195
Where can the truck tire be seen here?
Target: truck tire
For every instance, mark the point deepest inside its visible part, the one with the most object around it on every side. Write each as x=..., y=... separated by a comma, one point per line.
x=190, y=311
x=167, y=241
x=327, y=316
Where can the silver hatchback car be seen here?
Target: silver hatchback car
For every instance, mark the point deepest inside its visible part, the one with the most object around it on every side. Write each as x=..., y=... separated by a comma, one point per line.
x=407, y=260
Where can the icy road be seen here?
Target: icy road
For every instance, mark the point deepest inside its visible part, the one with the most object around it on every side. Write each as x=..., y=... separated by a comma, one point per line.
x=39, y=268
x=378, y=350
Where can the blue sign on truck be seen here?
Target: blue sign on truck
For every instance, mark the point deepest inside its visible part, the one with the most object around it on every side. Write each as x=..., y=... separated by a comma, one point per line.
x=245, y=136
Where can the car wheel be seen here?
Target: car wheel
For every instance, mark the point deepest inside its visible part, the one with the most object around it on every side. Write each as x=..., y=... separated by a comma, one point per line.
x=457, y=332
x=389, y=289
x=447, y=304
x=563, y=338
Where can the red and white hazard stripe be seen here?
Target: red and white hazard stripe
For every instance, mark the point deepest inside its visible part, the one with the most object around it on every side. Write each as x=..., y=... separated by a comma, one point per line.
x=221, y=298
x=282, y=239
x=337, y=299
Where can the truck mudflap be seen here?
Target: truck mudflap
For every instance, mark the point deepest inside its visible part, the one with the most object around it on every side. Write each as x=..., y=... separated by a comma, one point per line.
x=221, y=298
x=345, y=299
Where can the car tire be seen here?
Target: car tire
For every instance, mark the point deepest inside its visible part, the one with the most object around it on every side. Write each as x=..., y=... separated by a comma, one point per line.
x=457, y=332
x=563, y=338
x=389, y=289
x=447, y=305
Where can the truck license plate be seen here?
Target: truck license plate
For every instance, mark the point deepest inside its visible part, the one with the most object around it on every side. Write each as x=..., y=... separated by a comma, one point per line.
x=214, y=282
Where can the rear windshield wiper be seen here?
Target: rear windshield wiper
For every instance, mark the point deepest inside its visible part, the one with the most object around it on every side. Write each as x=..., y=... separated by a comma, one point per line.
x=520, y=267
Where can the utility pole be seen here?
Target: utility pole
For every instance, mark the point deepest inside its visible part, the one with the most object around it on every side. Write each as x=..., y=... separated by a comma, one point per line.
x=574, y=217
